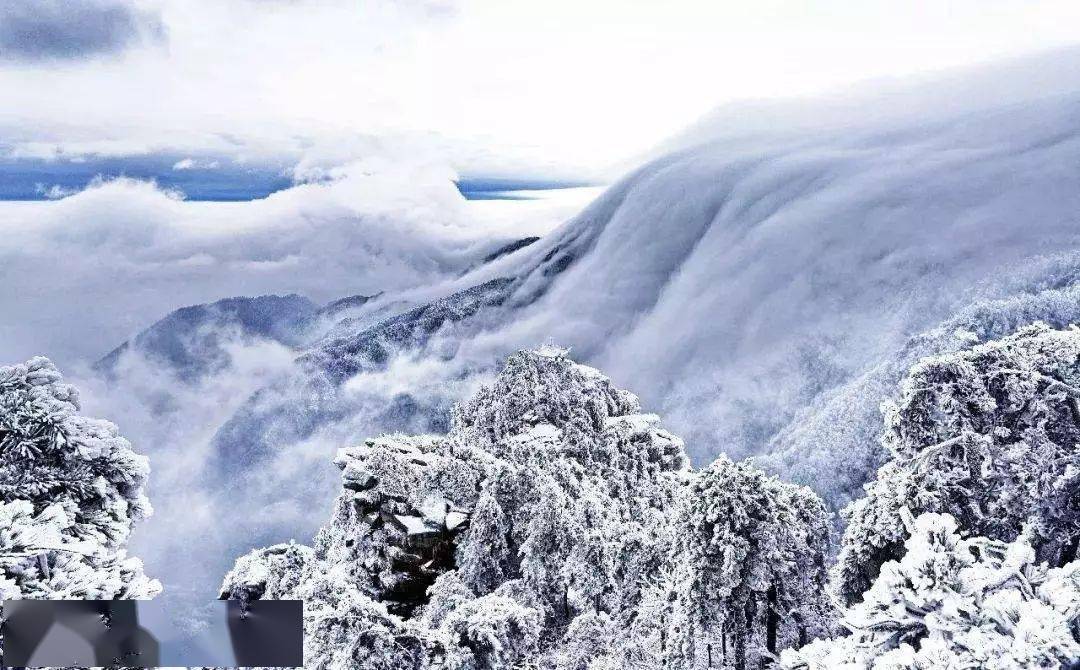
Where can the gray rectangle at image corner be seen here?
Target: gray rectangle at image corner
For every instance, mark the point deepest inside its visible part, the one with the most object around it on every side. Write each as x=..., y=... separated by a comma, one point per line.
x=266, y=633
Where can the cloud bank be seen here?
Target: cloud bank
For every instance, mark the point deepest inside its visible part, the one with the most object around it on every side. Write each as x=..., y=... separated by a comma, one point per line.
x=560, y=89
x=174, y=420
x=743, y=278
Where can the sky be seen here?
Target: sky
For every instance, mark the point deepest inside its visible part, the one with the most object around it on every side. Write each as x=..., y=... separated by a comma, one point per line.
x=560, y=89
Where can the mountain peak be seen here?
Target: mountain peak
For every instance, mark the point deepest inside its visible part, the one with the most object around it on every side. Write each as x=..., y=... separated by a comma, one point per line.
x=543, y=386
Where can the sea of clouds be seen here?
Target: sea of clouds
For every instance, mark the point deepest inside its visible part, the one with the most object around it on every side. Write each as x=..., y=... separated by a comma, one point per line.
x=741, y=281
x=84, y=273
x=733, y=280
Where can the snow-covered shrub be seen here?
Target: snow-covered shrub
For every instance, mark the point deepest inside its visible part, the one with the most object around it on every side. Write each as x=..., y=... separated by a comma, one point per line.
x=589, y=637
x=491, y=633
x=988, y=435
x=268, y=574
x=70, y=491
x=445, y=595
x=542, y=388
x=951, y=602
x=345, y=629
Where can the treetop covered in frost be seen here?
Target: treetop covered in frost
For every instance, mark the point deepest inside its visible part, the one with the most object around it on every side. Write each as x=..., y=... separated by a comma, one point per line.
x=558, y=526
x=988, y=435
x=70, y=490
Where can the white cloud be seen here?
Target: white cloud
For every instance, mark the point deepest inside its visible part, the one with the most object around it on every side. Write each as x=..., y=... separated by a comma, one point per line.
x=195, y=164
x=732, y=282
x=173, y=421
x=54, y=192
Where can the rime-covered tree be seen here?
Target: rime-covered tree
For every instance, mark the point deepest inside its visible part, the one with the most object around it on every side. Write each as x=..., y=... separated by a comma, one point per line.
x=492, y=633
x=581, y=477
x=988, y=435
x=486, y=560
x=748, y=569
x=952, y=602
x=70, y=491
x=589, y=640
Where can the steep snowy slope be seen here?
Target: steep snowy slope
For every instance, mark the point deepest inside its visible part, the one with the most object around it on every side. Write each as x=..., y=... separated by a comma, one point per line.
x=193, y=342
x=832, y=444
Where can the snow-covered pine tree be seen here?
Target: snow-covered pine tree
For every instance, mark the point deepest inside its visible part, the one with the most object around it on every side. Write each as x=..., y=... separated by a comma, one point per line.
x=988, y=435
x=951, y=602
x=748, y=569
x=70, y=491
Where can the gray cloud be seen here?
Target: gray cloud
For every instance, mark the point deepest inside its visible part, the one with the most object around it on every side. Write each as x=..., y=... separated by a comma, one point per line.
x=45, y=30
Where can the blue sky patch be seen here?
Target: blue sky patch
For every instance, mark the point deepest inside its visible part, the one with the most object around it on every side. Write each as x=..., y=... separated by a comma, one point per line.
x=501, y=188
x=201, y=179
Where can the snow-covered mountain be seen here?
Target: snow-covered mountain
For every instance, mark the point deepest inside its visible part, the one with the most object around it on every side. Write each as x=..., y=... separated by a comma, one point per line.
x=764, y=287
x=189, y=342
x=315, y=397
